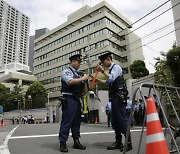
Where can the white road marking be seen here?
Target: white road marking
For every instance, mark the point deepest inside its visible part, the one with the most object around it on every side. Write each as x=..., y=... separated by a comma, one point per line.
x=55, y=135
x=4, y=146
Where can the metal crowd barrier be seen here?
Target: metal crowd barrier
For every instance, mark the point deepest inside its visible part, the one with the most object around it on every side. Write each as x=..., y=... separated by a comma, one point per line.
x=159, y=91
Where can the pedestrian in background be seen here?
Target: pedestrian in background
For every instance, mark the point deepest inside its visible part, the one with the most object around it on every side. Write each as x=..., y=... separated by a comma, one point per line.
x=141, y=111
x=47, y=118
x=13, y=120
x=158, y=109
x=128, y=108
x=18, y=120
x=29, y=119
x=108, y=112
x=136, y=113
x=54, y=116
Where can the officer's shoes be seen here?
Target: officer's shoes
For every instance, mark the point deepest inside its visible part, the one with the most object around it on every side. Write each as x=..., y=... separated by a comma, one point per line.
x=115, y=145
x=128, y=148
x=78, y=145
x=63, y=147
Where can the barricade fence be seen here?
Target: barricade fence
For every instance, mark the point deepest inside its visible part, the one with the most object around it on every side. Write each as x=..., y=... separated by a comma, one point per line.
x=168, y=106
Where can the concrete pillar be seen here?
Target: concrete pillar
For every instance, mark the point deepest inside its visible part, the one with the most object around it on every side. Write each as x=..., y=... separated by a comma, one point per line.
x=176, y=13
x=95, y=104
x=54, y=107
x=104, y=97
x=20, y=82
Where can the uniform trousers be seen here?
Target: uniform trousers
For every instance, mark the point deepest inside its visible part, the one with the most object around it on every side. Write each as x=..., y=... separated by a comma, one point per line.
x=119, y=117
x=71, y=119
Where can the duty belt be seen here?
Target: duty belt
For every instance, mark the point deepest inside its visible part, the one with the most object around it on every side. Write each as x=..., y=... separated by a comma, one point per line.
x=70, y=96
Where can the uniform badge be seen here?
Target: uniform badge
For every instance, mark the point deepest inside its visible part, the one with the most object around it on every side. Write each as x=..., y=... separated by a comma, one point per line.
x=67, y=73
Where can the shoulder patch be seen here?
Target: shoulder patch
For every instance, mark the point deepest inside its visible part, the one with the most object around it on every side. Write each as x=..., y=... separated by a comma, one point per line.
x=67, y=73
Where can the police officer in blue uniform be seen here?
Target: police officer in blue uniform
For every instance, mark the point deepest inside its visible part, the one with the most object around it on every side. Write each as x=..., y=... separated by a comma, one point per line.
x=118, y=93
x=128, y=107
x=72, y=85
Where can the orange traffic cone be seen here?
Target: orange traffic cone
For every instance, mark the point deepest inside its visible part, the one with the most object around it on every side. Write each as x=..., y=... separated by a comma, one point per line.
x=155, y=141
x=2, y=123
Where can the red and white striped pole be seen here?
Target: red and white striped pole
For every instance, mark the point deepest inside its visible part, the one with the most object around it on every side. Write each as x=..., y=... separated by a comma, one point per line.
x=155, y=140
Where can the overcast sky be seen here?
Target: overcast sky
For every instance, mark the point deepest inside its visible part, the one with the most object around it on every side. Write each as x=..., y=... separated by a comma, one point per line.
x=52, y=13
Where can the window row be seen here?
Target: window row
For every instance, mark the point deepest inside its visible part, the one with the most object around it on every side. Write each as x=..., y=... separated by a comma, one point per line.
x=72, y=44
x=66, y=56
x=107, y=43
x=125, y=70
x=79, y=31
x=58, y=79
x=119, y=58
x=54, y=89
x=63, y=48
x=52, y=80
x=52, y=71
x=56, y=60
x=80, y=51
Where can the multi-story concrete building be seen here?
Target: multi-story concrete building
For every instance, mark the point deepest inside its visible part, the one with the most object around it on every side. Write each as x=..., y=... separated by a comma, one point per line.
x=38, y=33
x=89, y=31
x=14, y=39
x=176, y=13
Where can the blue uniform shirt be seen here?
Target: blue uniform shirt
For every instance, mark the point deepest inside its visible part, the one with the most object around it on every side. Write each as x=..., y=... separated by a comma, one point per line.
x=157, y=101
x=67, y=74
x=136, y=107
x=115, y=72
x=108, y=107
x=129, y=104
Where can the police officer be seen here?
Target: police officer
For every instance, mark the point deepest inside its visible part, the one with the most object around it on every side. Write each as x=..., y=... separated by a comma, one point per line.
x=118, y=93
x=128, y=108
x=108, y=112
x=141, y=111
x=71, y=106
x=136, y=113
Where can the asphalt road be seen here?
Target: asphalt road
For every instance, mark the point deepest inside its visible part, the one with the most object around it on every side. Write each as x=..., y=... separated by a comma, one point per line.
x=43, y=139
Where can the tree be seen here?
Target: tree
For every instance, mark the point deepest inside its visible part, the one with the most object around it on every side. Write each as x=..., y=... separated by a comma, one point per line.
x=2, y=89
x=138, y=69
x=38, y=95
x=18, y=89
x=173, y=61
x=11, y=100
x=165, y=76
x=3, y=92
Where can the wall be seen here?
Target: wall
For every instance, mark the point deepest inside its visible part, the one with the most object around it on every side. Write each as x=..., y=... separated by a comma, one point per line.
x=37, y=114
x=95, y=104
x=136, y=83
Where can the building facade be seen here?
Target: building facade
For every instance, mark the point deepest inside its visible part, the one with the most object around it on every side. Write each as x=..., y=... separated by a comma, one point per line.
x=14, y=38
x=90, y=31
x=38, y=33
x=176, y=13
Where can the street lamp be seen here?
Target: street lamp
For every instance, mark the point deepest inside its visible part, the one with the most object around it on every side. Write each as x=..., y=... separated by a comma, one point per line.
x=19, y=108
x=48, y=104
x=30, y=98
